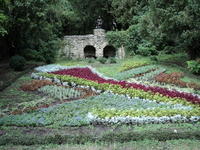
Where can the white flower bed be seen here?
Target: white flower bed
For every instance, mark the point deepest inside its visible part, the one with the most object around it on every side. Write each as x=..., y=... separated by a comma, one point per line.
x=94, y=119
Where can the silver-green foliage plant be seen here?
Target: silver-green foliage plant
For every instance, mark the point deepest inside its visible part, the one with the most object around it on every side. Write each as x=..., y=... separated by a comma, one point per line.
x=162, y=85
x=151, y=75
x=133, y=72
x=61, y=92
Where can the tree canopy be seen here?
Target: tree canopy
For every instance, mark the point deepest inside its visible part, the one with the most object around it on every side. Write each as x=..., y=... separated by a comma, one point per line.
x=160, y=26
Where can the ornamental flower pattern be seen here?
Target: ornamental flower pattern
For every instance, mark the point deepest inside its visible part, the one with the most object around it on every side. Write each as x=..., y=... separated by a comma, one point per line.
x=81, y=112
x=86, y=73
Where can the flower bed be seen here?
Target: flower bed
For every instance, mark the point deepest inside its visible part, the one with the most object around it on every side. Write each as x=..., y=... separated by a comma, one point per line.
x=87, y=74
x=162, y=85
x=120, y=102
x=175, y=78
x=133, y=72
x=134, y=64
x=85, y=111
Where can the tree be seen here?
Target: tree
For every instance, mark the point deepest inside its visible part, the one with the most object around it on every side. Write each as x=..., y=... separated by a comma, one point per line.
x=2, y=19
x=88, y=12
x=33, y=26
x=172, y=26
x=126, y=12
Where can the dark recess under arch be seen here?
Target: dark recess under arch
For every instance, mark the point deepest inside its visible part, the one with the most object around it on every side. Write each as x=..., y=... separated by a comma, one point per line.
x=89, y=52
x=109, y=51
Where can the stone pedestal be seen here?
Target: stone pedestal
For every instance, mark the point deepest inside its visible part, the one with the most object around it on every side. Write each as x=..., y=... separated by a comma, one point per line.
x=100, y=32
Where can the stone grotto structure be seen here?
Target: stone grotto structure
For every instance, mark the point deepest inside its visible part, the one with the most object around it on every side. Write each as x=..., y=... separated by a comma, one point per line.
x=91, y=46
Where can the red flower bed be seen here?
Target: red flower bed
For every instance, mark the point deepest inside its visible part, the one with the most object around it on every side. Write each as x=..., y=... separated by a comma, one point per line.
x=86, y=73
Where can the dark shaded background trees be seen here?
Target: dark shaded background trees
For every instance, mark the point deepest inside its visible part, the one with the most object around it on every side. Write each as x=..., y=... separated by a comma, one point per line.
x=160, y=26
x=89, y=11
x=172, y=26
x=33, y=28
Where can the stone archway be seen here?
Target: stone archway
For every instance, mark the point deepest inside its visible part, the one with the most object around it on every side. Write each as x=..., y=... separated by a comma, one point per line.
x=109, y=51
x=91, y=45
x=89, y=52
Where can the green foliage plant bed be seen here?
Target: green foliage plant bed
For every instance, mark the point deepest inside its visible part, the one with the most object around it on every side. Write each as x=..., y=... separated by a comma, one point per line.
x=150, y=75
x=122, y=134
x=134, y=72
x=25, y=107
x=134, y=64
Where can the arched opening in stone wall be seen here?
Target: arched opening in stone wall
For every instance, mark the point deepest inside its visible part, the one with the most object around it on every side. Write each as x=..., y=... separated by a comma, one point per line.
x=109, y=51
x=90, y=52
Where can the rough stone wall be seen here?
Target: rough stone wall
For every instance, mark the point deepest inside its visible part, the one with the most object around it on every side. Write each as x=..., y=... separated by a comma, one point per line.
x=76, y=44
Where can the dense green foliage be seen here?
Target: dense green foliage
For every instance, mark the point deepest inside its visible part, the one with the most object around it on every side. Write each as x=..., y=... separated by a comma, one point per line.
x=172, y=26
x=194, y=66
x=17, y=63
x=158, y=27
x=33, y=28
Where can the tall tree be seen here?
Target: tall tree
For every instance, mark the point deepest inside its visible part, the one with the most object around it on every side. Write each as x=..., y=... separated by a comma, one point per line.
x=172, y=25
x=32, y=23
x=126, y=12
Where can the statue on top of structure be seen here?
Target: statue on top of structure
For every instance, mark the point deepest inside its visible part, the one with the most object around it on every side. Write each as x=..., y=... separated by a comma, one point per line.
x=99, y=23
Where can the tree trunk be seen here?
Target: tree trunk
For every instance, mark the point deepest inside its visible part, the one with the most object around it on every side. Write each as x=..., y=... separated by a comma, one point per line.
x=192, y=53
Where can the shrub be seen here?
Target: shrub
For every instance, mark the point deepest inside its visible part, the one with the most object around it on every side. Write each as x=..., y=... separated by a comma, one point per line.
x=146, y=49
x=112, y=60
x=153, y=58
x=102, y=60
x=17, y=63
x=46, y=52
x=90, y=60
x=194, y=65
x=117, y=38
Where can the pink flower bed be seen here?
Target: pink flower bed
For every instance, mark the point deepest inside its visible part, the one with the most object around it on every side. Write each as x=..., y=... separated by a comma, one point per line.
x=86, y=73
